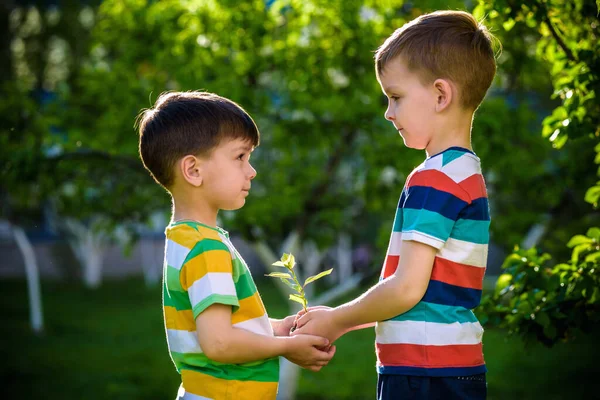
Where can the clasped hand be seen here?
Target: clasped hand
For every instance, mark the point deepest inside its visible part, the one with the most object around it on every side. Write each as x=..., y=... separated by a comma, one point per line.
x=318, y=321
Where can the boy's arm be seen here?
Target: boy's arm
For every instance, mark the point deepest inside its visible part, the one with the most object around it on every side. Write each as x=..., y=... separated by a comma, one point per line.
x=222, y=342
x=390, y=297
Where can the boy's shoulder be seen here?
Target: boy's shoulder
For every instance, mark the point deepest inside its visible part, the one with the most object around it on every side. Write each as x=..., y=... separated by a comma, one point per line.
x=187, y=238
x=189, y=233
x=454, y=162
x=455, y=170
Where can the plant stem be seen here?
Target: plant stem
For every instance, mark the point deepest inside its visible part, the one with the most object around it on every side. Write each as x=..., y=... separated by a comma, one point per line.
x=301, y=291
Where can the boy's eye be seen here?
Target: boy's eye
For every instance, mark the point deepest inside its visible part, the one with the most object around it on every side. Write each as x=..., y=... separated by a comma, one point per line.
x=241, y=157
x=394, y=98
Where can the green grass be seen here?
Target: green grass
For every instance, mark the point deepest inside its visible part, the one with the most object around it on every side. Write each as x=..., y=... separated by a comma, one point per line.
x=109, y=344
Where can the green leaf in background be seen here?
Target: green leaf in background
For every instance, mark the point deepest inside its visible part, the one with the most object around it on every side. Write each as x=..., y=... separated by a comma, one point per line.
x=318, y=276
x=594, y=233
x=593, y=257
x=593, y=194
x=579, y=239
x=508, y=24
x=503, y=281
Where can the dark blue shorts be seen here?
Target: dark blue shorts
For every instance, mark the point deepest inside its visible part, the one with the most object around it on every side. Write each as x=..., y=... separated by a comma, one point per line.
x=403, y=387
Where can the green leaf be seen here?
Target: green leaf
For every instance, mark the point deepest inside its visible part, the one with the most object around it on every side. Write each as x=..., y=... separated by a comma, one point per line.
x=594, y=233
x=318, y=276
x=592, y=195
x=577, y=240
x=282, y=275
x=508, y=24
x=577, y=250
x=278, y=264
x=288, y=260
x=593, y=257
x=503, y=281
x=298, y=299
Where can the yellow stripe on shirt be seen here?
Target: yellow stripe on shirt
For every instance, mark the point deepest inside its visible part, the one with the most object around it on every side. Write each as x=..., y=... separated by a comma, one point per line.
x=209, y=261
x=250, y=308
x=180, y=320
x=221, y=389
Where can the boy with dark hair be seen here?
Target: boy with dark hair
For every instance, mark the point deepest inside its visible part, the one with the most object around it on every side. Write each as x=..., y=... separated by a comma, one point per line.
x=435, y=72
x=197, y=146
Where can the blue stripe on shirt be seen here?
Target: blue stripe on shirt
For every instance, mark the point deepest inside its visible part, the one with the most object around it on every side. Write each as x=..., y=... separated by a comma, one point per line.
x=428, y=198
x=478, y=210
x=450, y=295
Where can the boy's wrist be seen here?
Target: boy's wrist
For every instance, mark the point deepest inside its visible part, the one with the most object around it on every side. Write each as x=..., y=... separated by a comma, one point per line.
x=282, y=344
x=275, y=323
x=342, y=318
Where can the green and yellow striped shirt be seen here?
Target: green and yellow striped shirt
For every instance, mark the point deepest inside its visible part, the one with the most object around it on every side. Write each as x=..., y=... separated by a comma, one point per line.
x=203, y=268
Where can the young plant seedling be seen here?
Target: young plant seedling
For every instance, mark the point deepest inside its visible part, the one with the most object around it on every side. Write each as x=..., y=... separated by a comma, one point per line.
x=288, y=261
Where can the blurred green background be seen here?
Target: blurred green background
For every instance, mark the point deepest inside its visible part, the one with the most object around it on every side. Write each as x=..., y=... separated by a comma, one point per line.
x=81, y=222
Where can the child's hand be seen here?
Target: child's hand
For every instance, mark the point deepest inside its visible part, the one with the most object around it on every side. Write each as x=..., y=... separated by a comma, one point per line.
x=303, y=350
x=302, y=312
x=318, y=321
x=282, y=327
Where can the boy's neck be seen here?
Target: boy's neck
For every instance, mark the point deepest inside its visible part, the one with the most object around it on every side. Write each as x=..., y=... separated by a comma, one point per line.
x=455, y=133
x=186, y=209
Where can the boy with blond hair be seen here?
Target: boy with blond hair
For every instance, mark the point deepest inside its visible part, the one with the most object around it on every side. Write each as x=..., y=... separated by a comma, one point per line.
x=435, y=72
x=197, y=145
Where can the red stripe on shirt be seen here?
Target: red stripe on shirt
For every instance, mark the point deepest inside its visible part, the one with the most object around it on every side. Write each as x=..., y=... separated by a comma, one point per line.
x=437, y=180
x=416, y=355
x=391, y=263
x=457, y=274
x=475, y=186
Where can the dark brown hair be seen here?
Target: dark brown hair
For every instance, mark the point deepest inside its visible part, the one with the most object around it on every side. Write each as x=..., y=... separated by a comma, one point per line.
x=182, y=123
x=445, y=44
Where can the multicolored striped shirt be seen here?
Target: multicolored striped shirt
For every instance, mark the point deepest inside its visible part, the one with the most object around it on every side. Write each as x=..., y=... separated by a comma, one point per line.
x=203, y=268
x=443, y=204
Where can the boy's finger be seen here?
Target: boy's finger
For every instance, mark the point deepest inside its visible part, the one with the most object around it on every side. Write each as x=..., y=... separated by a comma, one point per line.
x=331, y=351
x=300, y=322
x=319, y=341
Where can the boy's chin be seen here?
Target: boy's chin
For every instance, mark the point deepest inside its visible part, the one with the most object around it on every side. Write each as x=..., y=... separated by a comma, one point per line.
x=414, y=146
x=233, y=206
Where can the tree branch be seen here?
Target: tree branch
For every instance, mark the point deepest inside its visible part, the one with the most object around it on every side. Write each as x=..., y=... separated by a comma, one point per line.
x=557, y=37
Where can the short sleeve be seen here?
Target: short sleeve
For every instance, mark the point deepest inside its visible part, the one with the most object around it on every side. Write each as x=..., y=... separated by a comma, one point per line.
x=207, y=276
x=429, y=213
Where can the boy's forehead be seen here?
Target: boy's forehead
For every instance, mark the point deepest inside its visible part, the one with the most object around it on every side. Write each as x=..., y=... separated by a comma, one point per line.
x=237, y=144
x=396, y=75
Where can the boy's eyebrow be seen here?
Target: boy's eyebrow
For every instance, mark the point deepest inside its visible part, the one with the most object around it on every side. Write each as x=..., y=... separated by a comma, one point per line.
x=388, y=89
x=244, y=147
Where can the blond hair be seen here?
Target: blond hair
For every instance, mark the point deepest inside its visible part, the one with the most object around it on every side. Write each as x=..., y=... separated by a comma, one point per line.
x=450, y=45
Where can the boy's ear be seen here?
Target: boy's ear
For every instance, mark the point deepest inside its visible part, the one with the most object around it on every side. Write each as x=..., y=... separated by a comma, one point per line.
x=191, y=170
x=444, y=92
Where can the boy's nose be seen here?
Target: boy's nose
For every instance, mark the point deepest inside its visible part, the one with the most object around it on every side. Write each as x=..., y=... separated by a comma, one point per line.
x=389, y=115
x=252, y=172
